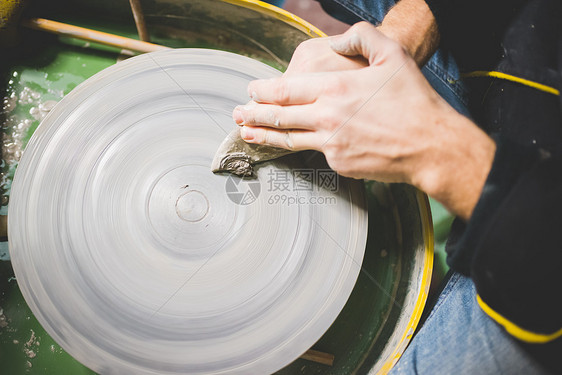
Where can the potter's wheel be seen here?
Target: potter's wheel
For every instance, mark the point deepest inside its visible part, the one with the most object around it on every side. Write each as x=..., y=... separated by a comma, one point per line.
x=137, y=259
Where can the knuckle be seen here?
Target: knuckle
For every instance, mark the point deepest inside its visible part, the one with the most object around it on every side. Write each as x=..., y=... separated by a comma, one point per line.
x=336, y=86
x=289, y=141
x=337, y=156
x=336, y=165
x=265, y=138
x=328, y=120
x=333, y=155
x=332, y=85
x=395, y=154
x=270, y=117
x=250, y=119
x=282, y=92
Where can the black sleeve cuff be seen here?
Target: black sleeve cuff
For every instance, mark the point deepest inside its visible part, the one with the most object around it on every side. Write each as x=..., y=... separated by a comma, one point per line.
x=511, y=246
x=509, y=161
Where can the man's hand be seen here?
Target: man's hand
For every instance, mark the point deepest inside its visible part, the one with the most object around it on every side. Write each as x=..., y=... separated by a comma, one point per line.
x=316, y=55
x=381, y=122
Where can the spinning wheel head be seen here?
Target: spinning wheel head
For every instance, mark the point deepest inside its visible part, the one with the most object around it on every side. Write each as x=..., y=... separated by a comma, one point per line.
x=136, y=258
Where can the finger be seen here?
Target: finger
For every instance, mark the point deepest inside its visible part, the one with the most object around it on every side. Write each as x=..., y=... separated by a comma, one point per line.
x=365, y=40
x=295, y=140
x=297, y=89
x=274, y=116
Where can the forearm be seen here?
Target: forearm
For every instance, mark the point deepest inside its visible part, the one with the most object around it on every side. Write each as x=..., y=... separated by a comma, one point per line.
x=457, y=163
x=412, y=24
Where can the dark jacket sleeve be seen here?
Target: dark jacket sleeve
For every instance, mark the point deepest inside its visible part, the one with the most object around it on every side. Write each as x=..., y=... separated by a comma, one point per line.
x=512, y=245
x=472, y=30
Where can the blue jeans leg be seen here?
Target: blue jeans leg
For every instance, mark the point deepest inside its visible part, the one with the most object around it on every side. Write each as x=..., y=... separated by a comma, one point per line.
x=459, y=338
x=441, y=70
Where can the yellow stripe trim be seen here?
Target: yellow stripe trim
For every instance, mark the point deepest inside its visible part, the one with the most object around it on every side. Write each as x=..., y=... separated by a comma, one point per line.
x=280, y=14
x=427, y=225
x=516, y=331
x=509, y=77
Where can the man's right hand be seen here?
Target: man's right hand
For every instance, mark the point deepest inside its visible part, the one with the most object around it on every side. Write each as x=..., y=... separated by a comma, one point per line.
x=382, y=122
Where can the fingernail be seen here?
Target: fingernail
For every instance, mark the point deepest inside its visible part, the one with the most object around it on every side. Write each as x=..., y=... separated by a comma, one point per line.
x=247, y=133
x=237, y=116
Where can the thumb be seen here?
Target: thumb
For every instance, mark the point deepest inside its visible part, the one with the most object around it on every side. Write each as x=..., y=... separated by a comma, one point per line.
x=361, y=39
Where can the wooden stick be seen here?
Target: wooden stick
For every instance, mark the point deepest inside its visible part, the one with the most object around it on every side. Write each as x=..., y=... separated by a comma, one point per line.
x=91, y=35
x=139, y=20
x=3, y=226
x=319, y=357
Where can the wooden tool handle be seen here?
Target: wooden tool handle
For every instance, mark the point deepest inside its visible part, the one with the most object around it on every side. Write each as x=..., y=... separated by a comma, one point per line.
x=136, y=8
x=91, y=35
x=319, y=357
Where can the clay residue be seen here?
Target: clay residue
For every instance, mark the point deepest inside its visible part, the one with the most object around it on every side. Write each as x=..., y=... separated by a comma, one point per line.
x=3, y=319
x=30, y=346
x=22, y=110
x=238, y=164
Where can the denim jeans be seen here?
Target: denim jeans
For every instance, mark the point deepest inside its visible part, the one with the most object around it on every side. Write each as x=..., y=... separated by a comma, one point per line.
x=441, y=71
x=457, y=337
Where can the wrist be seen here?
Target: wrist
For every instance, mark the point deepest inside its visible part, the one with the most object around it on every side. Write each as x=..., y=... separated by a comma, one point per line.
x=457, y=168
x=412, y=24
